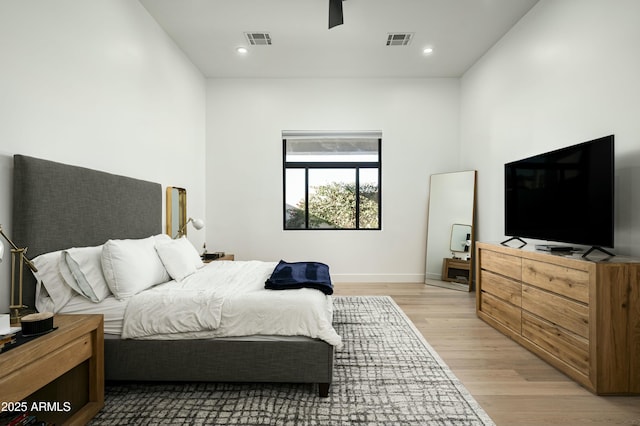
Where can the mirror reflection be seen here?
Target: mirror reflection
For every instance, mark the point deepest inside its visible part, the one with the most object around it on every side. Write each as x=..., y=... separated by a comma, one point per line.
x=176, y=211
x=450, y=230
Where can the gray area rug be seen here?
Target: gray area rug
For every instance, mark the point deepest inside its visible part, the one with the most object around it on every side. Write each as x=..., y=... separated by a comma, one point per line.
x=386, y=374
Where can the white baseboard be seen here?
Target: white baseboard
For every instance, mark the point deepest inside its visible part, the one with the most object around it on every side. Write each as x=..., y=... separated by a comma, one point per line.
x=377, y=278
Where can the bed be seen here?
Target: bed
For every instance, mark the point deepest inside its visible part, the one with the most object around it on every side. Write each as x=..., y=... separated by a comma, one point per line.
x=58, y=206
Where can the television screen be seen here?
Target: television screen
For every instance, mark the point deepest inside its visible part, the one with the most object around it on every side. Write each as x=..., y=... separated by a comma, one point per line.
x=564, y=195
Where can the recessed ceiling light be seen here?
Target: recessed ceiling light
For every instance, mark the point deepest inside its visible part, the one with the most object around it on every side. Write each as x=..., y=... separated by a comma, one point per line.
x=428, y=51
x=241, y=50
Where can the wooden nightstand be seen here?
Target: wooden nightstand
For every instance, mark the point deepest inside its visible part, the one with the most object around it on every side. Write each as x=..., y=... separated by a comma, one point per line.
x=61, y=372
x=227, y=256
x=456, y=270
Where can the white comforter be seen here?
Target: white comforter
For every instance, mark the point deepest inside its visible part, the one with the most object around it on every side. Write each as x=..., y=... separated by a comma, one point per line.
x=225, y=299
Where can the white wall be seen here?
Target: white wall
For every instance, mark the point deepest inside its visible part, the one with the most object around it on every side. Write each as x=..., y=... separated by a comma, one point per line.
x=97, y=84
x=568, y=72
x=245, y=117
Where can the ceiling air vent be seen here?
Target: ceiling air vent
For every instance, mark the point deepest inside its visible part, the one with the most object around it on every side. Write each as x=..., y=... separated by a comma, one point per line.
x=258, y=39
x=399, y=39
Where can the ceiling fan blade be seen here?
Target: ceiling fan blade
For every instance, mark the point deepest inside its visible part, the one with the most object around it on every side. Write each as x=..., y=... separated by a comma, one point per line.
x=335, y=13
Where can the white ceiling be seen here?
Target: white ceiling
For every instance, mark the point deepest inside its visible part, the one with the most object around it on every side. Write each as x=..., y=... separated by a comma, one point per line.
x=459, y=31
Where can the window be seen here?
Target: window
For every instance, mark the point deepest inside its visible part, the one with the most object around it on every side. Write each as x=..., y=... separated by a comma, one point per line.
x=332, y=181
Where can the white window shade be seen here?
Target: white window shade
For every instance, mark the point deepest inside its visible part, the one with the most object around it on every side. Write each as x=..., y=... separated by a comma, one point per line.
x=340, y=147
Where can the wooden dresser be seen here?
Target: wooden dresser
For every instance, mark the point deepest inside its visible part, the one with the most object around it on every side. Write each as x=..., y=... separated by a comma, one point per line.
x=581, y=316
x=58, y=377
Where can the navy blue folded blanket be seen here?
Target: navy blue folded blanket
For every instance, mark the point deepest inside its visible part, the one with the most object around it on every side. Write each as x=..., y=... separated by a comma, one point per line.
x=291, y=275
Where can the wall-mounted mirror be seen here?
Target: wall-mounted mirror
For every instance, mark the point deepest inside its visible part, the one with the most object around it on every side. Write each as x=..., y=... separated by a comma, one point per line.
x=176, y=215
x=450, y=230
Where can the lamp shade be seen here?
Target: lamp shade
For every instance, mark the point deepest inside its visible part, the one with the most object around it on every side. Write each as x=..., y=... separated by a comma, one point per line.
x=197, y=223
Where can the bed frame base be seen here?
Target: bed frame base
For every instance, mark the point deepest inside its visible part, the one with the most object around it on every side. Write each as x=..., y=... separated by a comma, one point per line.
x=213, y=360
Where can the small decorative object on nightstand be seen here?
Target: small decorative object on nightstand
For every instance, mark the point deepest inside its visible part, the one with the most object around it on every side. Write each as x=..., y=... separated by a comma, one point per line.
x=37, y=324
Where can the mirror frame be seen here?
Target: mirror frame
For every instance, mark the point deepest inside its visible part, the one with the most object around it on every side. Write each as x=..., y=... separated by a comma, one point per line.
x=440, y=233
x=176, y=210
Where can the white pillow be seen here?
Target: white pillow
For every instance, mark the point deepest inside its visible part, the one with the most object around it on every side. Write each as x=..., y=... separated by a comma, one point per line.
x=131, y=266
x=84, y=265
x=49, y=276
x=180, y=257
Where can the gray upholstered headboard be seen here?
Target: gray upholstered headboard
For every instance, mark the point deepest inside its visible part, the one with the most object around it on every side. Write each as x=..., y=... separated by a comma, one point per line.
x=58, y=206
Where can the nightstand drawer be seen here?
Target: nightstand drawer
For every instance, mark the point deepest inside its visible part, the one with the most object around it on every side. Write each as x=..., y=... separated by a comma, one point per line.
x=21, y=382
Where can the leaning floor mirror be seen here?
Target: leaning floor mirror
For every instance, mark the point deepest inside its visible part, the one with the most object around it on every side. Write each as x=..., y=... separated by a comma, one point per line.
x=450, y=230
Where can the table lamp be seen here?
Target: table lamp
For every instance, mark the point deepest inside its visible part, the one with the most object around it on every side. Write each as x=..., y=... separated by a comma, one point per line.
x=18, y=260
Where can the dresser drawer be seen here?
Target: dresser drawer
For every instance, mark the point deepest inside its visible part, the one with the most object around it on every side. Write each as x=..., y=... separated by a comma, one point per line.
x=501, y=311
x=564, y=345
x=500, y=263
x=559, y=310
x=569, y=282
x=501, y=287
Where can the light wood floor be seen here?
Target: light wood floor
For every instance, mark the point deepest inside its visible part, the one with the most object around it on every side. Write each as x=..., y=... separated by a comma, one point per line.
x=510, y=383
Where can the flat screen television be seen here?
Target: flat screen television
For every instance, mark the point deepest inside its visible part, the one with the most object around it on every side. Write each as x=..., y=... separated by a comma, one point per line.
x=566, y=195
